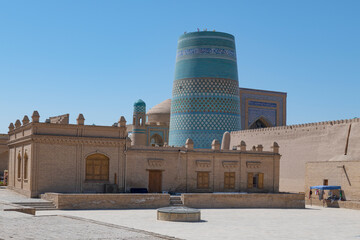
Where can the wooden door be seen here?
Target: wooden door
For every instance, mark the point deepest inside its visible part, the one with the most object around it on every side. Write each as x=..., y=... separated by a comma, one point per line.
x=202, y=180
x=261, y=181
x=155, y=177
x=250, y=180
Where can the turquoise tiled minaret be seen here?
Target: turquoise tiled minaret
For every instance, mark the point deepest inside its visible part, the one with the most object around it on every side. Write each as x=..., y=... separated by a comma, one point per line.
x=138, y=135
x=205, y=99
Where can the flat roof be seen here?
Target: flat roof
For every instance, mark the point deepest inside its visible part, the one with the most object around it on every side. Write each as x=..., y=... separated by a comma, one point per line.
x=260, y=90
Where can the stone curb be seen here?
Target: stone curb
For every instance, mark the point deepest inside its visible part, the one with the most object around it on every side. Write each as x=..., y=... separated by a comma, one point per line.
x=17, y=208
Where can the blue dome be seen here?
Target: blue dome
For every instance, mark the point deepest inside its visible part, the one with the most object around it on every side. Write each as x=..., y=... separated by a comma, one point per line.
x=139, y=106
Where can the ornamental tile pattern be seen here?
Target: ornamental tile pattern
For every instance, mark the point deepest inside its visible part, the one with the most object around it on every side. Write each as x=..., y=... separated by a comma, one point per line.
x=202, y=116
x=207, y=122
x=256, y=113
x=209, y=104
x=139, y=108
x=261, y=102
x=202, y=139
x=205, y=86
x=206, y=52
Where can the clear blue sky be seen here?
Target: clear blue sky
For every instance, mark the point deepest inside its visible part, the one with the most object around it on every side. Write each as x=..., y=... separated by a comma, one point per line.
x=99, y=57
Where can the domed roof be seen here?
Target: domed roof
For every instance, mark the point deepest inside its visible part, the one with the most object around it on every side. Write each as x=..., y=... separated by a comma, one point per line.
x=139, y=106
x=139, y=103
x=161, y=108
x=160, y=113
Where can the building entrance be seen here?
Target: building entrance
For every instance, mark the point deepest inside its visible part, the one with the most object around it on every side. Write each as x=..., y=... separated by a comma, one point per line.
x=155, y=179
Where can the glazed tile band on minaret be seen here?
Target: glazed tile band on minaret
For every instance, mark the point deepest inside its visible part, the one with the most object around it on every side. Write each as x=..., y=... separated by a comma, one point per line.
x=205, y=99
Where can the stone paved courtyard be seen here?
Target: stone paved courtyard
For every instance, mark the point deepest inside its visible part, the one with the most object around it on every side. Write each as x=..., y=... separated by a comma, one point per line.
x=49, y=225
x=16, y=225
x=310, y=223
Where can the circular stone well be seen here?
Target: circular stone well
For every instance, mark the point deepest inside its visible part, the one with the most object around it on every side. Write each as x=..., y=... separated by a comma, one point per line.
x=178, y=214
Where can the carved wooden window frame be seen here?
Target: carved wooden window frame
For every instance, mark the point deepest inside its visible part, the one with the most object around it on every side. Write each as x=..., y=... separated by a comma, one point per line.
x=229, y=180
x=97, y=167
x=203, y=180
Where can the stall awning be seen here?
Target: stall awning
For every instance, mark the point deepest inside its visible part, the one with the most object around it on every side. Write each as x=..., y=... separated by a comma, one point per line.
x=324, y=187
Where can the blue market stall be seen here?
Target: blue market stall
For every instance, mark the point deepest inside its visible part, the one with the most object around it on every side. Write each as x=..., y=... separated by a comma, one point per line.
x=325, y=187
x=321, y=189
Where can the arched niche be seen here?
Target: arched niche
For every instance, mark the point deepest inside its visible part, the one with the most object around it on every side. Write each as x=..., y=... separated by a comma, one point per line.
x=156, y=139
x=19, y=165
x=260, y=122
x=26, y=163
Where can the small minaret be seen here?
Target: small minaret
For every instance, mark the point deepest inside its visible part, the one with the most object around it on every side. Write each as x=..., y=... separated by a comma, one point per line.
x=122, y=122
x=25, y=120
x=138, y=136
x=35, y=117
x=80, y=120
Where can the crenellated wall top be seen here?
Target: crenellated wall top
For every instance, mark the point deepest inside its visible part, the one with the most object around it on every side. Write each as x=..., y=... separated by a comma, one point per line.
x=298, y=126
x=184, y=150
x=70, y=130
x=4, y=136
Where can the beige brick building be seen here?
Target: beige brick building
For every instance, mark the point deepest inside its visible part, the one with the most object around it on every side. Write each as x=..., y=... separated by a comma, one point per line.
x=202, y=170
x=341, y=171
x=4, y=153
x=56, y=156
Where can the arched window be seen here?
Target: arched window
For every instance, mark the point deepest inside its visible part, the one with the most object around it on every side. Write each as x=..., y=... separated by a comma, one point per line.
x=26, y=158
x=19, y=166
x=97, y=167
x=156, y=139
x=134, y=121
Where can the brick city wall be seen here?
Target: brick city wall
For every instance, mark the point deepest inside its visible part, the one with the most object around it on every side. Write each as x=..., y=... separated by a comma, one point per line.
x=303, y=143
